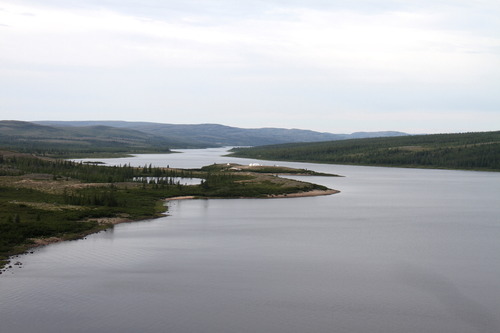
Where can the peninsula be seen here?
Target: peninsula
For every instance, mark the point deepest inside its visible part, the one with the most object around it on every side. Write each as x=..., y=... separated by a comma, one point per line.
x=46, y=200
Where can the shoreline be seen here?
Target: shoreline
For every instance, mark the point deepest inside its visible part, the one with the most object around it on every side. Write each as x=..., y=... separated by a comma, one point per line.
x=106, y=223
x=103, y=224
x=313, y=193
x=186, y=197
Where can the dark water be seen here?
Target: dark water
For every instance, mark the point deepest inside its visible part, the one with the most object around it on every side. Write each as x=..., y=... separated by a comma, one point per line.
x=398, y=250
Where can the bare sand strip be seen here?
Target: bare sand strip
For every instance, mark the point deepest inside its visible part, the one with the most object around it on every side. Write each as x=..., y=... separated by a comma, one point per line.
x=181, y=198
x=313, y=193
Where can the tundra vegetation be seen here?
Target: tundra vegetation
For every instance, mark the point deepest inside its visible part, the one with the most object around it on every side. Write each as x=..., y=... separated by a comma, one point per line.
x=44, y=199
x=467, y=151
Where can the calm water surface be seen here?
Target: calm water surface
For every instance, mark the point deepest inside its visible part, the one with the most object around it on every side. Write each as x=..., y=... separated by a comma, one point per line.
x=398, y=250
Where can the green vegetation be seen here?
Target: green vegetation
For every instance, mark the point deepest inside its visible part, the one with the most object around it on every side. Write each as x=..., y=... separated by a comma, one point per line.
x=468, y=151
x=42, y=198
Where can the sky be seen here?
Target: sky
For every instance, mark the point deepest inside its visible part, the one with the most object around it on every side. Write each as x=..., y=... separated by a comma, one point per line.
x=423, y=66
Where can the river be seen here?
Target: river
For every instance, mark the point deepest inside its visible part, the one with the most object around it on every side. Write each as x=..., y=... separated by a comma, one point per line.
x=398, y=250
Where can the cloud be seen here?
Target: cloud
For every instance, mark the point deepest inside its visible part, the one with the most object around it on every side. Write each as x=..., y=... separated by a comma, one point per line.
x=388, y=44
x=292, y=56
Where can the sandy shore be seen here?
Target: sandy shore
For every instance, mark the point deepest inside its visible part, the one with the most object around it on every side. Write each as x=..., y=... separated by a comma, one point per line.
x=181, y=198
x=313, y=193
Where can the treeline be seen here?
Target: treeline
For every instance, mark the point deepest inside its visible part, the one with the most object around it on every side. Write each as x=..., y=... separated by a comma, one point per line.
x=85, y=172
x=469, y=151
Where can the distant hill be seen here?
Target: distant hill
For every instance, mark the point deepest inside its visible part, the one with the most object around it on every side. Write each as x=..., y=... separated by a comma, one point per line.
x=34, y=138
x=76, y=138
x=214, y=135
x=469, y=151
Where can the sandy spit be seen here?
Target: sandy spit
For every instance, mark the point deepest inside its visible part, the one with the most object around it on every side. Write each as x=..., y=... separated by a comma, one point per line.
x=181, y=198
x=313, y=193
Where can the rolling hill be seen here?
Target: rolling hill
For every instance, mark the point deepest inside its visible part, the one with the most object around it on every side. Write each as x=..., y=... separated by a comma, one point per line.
x=215, y=135
x=78, y=138
x=48, y=140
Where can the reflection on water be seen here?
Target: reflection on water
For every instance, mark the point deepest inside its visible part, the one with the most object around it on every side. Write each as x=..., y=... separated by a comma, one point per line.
x=398, y=250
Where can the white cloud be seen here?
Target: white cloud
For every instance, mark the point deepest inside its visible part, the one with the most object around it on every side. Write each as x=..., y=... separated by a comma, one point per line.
x=385, y=44
x=274, y=60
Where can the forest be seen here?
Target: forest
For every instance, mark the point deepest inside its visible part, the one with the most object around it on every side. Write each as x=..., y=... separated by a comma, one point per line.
x=466, y=151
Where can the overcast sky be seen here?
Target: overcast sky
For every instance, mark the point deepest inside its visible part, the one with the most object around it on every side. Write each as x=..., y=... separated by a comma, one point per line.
x=422, y=66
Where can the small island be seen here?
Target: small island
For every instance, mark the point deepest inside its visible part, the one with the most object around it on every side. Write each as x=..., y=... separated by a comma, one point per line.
x=47, y=200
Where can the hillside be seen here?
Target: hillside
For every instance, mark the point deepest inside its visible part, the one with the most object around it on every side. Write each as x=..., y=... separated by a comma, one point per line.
x=469, y=151
x=215, y=135
x=48, y=140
